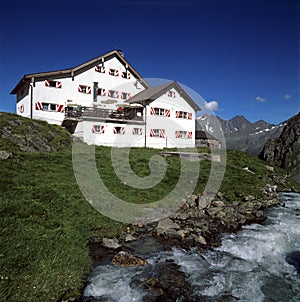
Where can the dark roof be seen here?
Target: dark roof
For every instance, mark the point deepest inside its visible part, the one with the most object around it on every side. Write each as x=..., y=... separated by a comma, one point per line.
x=152, y=93
x=75, y=70
x=200, y=134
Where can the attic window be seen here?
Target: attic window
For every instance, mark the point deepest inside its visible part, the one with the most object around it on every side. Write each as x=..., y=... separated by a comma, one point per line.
x=171, y=94
x=55, y=84
x=114, y=72
x=125, y=74
x=100, y=69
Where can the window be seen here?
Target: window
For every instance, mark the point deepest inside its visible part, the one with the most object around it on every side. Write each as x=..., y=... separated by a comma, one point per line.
x=98, y=129
x=183, y=134
x=85, y=89
x=171, y=94
x=184, y=115
x=157, y=133
x=100, y=69
x=137, y=131
x=125, y=95
x=114, y=72
x=157, y=111
x=113, y=93
x=119, y=130
x=100, y=91
x=125, y=74
x=55, y=84
x=48, y=107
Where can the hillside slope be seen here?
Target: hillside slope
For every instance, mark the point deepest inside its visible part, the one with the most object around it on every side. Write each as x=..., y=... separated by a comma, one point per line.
x=22, y=134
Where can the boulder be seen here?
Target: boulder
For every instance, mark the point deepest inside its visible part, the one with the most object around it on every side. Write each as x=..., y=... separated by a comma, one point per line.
x=111, y=243
x=166, y=224
x=293, y=258
x=5, y=154
x=128, y=260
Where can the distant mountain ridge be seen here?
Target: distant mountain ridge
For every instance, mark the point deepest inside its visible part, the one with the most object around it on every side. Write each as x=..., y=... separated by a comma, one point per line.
x=240, y=133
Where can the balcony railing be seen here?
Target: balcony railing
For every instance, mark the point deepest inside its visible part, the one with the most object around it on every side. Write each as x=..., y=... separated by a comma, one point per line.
x=124, y=113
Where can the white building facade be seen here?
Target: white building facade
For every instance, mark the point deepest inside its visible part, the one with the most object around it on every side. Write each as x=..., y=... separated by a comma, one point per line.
x=105, y=101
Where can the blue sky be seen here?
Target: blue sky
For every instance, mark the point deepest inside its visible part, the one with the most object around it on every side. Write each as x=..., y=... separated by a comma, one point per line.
x=242, y=56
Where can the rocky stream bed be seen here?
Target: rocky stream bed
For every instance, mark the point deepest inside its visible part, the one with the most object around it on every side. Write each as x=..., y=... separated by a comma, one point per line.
x=198, y=225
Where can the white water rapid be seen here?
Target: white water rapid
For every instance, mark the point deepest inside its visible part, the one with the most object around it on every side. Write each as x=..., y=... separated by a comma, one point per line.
x=249, y=266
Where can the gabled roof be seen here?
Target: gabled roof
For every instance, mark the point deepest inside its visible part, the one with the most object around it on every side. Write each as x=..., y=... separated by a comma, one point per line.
x=152, y=93
x=70, y=72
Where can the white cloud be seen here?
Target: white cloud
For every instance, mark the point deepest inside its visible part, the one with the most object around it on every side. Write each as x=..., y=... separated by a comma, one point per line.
x=260, y=99
x=287, y=96
x=212, y=105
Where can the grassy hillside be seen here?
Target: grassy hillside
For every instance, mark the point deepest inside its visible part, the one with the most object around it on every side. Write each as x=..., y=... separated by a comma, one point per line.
x=46, y=223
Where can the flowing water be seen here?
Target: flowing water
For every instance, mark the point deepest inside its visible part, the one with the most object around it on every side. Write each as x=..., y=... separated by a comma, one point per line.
x=249, y=266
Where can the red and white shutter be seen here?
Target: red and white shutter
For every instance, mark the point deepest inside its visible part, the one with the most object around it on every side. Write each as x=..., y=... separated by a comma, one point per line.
x=100, y=69
x=177, y=114
x=102, y=129
x=38, y=106
x=152, y=111
x=128, y=96
x=59, y=108
x=190, y=134
x=123, y=130
x=58, y=84
x=177, y=134
x=167, y=112
x=152, y=133
x=190, y=116
x=79, y=88
x=161, y=132
x=47, y=83
x=88, y=89
x=93, y=128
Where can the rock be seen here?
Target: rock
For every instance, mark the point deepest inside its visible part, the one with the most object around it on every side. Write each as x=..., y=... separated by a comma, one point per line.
x=129, y=238
x=214, y=211
x=166, y=224
x=5, y=155
x=293, y=258
x=283, y=151
x=204, y=202
x=111, y=243
x=218, y=203
x=200, y=239
x=182, y=233
x=128, y=260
